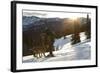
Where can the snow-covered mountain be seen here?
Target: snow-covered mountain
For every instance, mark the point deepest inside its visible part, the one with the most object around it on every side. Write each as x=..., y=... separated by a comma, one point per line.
x=65, y=51
x=31, y=21
x=27, y=20
x=37, y=25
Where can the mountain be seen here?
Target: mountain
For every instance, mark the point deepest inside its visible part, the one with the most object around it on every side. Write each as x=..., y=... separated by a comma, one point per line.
x=30, y=22
x=33, y=27
x=29, y=19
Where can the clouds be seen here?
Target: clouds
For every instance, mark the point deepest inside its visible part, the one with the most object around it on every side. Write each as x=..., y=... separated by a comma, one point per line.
x=53, y=14
x=25, y=13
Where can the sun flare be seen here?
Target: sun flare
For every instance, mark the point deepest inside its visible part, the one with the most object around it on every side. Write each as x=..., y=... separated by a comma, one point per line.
x=73, y=18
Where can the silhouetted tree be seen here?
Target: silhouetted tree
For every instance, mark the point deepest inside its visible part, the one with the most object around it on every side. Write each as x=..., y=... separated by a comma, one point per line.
x=75, y=38
x=50, y=40
x=88, y=28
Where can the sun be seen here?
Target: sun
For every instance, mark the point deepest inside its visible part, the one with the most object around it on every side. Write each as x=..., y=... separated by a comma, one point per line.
x=73, y=18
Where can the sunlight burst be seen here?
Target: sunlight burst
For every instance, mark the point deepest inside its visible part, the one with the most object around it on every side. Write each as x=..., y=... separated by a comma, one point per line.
x=73, y=18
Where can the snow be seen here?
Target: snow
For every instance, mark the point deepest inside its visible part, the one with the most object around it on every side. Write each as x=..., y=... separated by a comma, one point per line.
x=59, y=43
x=65, y=51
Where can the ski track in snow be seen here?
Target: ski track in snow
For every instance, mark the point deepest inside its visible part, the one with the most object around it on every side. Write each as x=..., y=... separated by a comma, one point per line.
x=65, y=51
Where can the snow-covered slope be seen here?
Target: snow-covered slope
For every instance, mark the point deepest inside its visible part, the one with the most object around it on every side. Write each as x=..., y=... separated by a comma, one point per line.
x=66, y=51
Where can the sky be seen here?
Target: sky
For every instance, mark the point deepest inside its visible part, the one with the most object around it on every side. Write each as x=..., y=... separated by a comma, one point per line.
x=54, y=14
